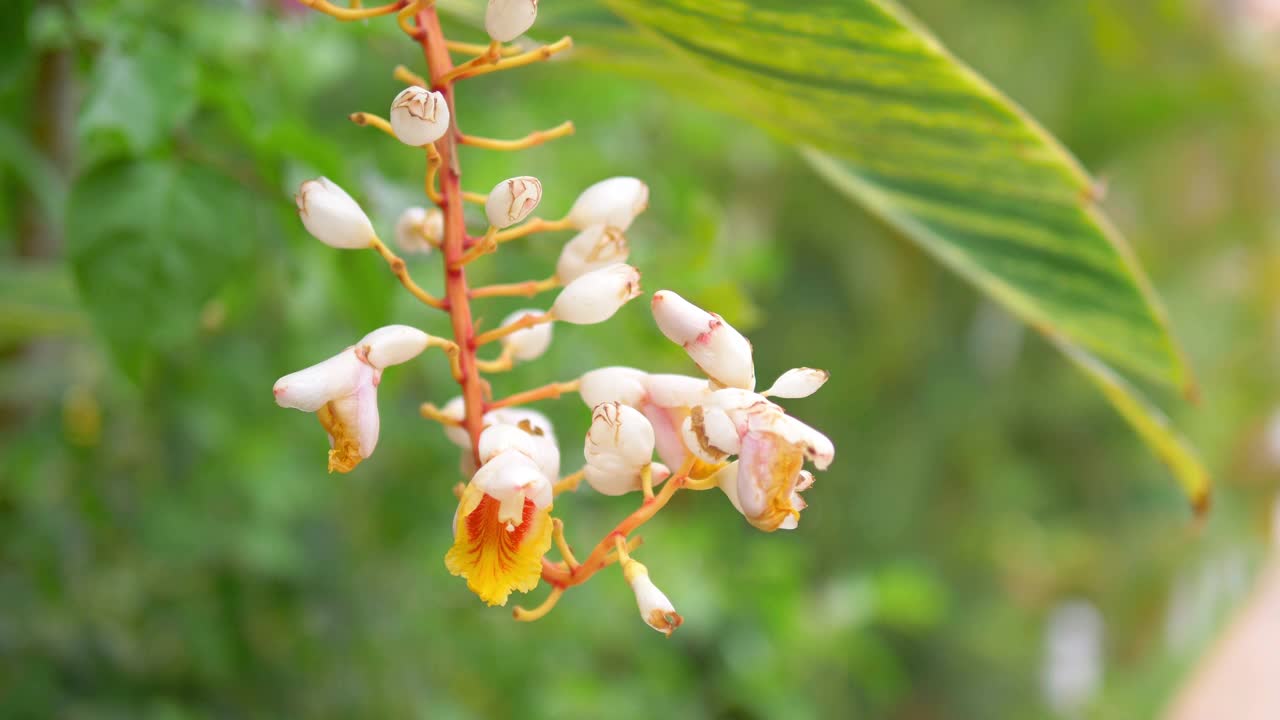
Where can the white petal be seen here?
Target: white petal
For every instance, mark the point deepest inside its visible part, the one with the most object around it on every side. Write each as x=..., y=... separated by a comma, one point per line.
x=614, y=202
x=620, y=432
x=546, y=449
x=417, y=228
x=506, y=20
x=419, y=116
x=721, y=351
x=669, y=390
x=655, y=608
x=499, y=438
x=392, y=345
x=529, y=343
x=621, y=384
x=332, y=217
x=798, y=383
x=595, y=247
x=817, y=447
x=512, y=200
x=595, y=296
x=309, y=389
x=710, y=434
x=456, y=409
x=510, y=477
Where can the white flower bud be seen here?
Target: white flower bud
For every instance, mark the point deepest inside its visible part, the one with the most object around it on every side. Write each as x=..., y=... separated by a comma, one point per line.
x=332, y=217
x=392, y=345
x=798, y=383
x=721, y=351
x=512, y=477
x=456, y=410
x=501, y=437
x=419, y=229
x=512, y=200
x=506, y=20
x=619, y=445
x=546, y=450
x=419, y=116
x=655, y=609
x=673, y=391
x=614, y=202
x=597, y=295
x=612, y=384
x=593, y=248
x=709, y=434
x=529, y=343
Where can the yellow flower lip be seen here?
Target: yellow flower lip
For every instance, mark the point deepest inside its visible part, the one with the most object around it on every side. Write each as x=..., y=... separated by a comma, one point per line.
x=497, y=556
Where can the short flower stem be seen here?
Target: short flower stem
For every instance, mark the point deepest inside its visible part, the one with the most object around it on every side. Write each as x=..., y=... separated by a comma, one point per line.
x=534, y=138
x=568, y=483
x=528, y=288
x=431, y=412
x=541, y=611
x=373, y=121
x=477, y=49
x=546, y=392
x=526, y=321
x=455, y=353
x=561, y=577
x=402, y=273
x=485, y=246
x=502, y=363
x=566, y=552
x=349, y=14
x=473, y=69
x=408, y=77
x=536, y=225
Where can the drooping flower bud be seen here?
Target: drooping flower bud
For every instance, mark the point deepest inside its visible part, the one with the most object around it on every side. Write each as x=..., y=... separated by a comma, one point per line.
x=614, y=202
x=612, y=384
x=512, y=200
x=595, y=247
x=419, y=116
x=392, y=345
x=713, y=344
x=529, y=343
x=798, y=383
x=332, y=217
x=655, y=609
x=597, y=295
x=618, y=447
x=506, y=20
x=419, y=229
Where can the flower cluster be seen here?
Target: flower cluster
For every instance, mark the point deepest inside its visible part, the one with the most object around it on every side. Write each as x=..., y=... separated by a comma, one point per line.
x=710, y=431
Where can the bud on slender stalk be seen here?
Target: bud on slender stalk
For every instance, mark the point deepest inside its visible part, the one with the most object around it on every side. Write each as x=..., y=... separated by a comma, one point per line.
x=506, y=20
x=419, y=229
x=655, y=609
x=721, y=351
x=595, y=247
x=512, y=200
x=419, y=116
x=613, y=384
x=392, y=345
x=332, y=217
x=529, y=343
x=614, y=202
x=597, y=295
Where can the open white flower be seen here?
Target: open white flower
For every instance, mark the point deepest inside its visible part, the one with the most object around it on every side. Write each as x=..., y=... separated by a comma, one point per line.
x=419, y=116
x=618, y=448
x=418, y=230
x=614, y=202
x=546, y=451
x=512, y=200
x=665, y=400
x=595, y=247
x=506, y=20
x=342, y=391
x=595, y=296
x=529, y=343
x=717, y=348
x=502, y=527
x=332, y=216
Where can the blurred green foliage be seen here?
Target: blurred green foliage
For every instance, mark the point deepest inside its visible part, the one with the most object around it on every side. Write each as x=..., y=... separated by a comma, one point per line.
x=171, y=547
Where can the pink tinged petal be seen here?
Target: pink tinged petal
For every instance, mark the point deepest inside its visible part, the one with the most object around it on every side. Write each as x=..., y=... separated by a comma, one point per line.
x=714, y=345
x=393, y=345
x=612, y=384
x=309, y=389
x=767, y=473
x=666, y=431
x=798, y=383
x=367, y=421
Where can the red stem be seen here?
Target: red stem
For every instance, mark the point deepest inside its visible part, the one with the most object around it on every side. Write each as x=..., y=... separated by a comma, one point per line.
x=454, y=244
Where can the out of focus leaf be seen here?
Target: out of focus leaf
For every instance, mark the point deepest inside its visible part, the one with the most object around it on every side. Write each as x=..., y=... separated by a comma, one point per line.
x=891, y=118
x=141, y=94
x=150, y=243
x=37, y=299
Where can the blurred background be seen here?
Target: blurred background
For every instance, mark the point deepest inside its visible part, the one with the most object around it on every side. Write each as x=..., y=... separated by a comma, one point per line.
x=992, y=540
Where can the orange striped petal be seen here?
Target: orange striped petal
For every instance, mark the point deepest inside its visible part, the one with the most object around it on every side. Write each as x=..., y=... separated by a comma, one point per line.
x=497, y=557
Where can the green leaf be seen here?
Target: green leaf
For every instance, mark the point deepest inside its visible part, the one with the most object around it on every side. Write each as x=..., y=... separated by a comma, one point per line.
x=149, y=244
x=37, y=300
x=886, y=114
x=140, y=94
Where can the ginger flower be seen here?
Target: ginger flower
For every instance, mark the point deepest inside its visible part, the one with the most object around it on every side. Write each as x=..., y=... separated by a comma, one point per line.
x=503, y=524
x=664, y=400
x=342, y=391
x=619, y=450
